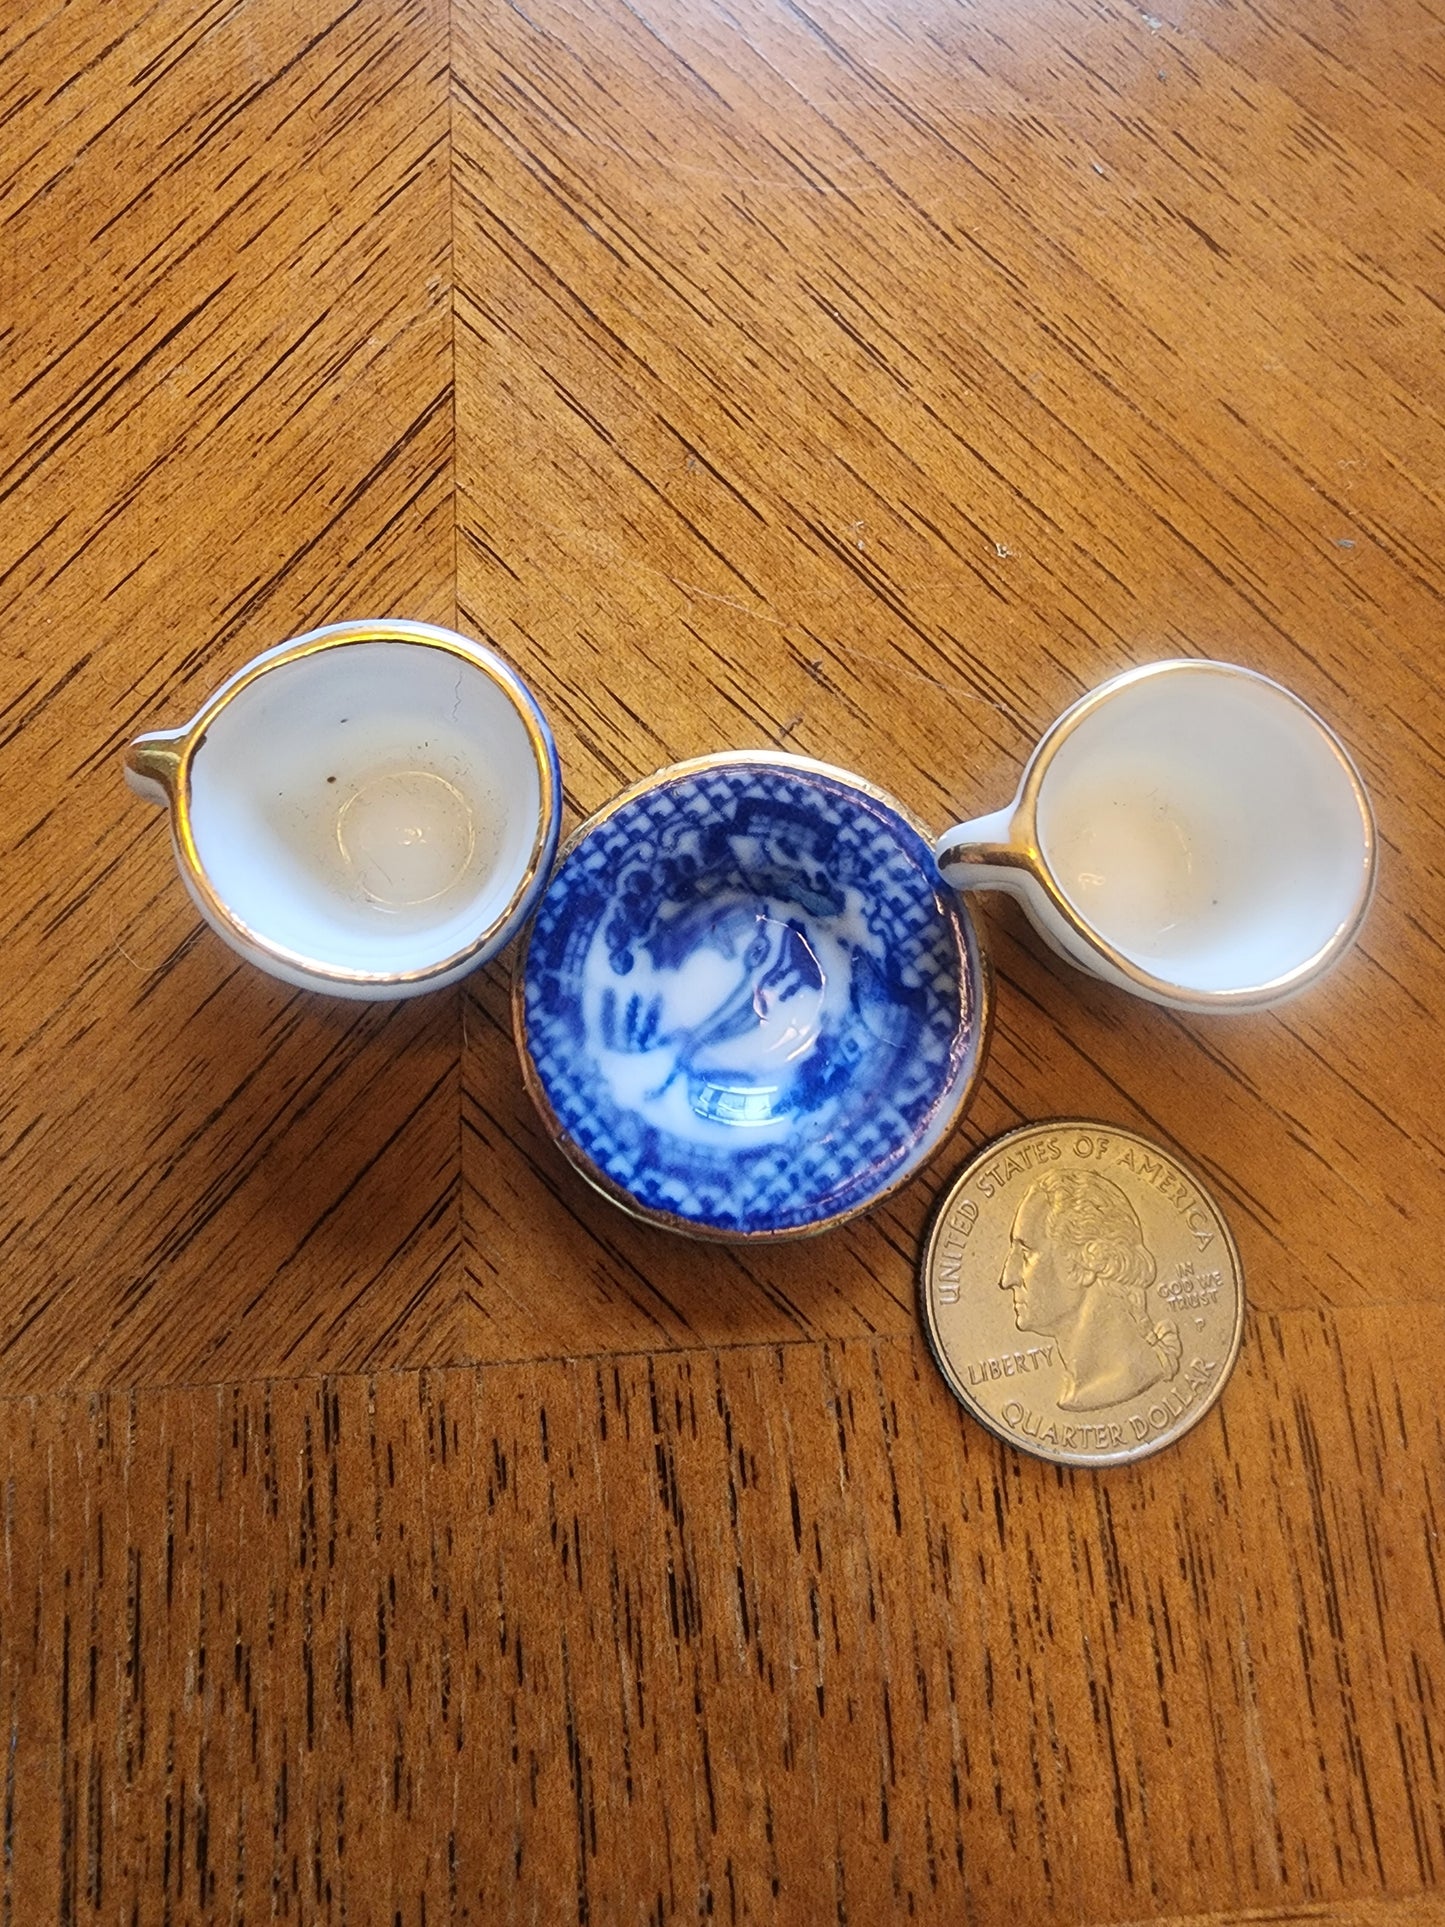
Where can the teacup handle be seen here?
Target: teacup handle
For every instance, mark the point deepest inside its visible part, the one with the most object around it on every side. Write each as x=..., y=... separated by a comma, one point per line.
x=985, y=854
x=152, y=762
x=998, y=852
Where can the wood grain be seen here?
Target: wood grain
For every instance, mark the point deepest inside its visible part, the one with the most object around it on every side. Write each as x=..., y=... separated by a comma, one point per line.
x=392, y=1530
x=764, y=1632
x=227, y=350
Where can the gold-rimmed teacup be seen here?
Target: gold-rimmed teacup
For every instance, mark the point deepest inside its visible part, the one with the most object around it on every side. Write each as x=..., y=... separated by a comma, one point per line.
x=1189, y=831
x=370, y=809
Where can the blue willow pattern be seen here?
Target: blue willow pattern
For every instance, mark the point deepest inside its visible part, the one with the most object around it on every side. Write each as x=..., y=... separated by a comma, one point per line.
x=749, y=1004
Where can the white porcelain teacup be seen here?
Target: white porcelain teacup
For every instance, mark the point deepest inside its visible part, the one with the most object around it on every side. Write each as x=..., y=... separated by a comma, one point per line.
x=1189, y=831
x=369, y=809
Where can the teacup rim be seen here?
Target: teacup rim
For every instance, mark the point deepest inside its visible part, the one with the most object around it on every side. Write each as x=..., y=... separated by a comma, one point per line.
x=1166, y=990
x=264, y=951
x=976, y=959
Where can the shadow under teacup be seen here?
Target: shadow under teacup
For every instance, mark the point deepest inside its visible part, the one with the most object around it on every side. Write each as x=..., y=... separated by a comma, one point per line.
x=1189, y=831
x=370, y=809
x=747, y=1008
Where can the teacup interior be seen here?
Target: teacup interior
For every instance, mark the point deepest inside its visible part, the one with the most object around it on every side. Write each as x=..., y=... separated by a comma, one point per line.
x=1206, y=825
x=371, y=806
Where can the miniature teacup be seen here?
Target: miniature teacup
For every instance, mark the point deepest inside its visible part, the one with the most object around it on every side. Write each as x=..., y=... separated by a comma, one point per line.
x=1189, y=831
x=747, y=1007
x=370, y=809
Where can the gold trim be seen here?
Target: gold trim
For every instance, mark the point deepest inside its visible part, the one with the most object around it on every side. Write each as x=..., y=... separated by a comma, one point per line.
x=1254, y=996
x=154, y=761
x=251, y=943
x=975, y=959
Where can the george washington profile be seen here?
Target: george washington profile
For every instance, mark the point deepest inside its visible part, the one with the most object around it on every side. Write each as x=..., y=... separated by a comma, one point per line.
x=1080, y=1272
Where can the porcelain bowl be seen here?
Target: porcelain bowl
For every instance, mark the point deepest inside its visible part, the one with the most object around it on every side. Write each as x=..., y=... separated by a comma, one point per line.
x=748, y=1007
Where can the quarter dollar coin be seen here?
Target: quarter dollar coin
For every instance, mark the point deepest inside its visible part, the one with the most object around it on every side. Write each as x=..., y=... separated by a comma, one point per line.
x=1082, y=1293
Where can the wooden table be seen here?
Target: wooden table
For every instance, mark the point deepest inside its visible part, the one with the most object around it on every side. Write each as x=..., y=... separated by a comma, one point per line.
x=392, y=1530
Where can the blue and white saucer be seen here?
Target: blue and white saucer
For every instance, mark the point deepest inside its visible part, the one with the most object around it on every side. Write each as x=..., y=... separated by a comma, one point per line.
x=748, y=1006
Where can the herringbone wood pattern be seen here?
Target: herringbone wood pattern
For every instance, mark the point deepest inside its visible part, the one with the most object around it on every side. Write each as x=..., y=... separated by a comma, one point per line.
x=393, y=1530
